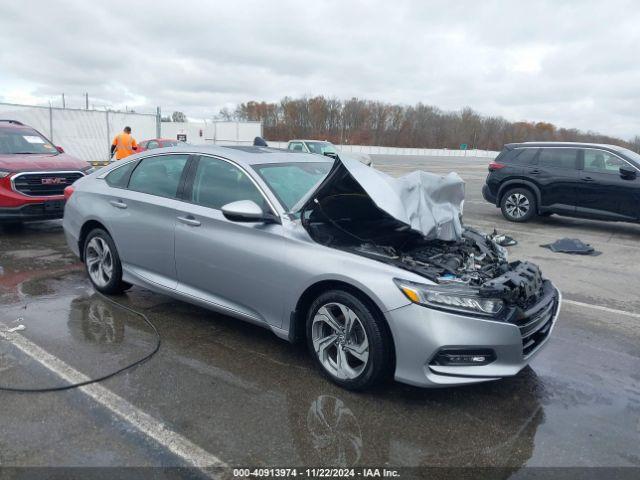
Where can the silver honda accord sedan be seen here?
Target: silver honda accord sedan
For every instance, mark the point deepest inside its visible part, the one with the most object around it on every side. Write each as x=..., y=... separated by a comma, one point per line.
x=378, y=275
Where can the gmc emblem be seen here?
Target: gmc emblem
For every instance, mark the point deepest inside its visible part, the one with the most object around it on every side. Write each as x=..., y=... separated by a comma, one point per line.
x=54, y=181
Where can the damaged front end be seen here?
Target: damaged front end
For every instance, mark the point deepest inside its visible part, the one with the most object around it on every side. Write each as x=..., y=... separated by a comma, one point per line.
x=414, y=223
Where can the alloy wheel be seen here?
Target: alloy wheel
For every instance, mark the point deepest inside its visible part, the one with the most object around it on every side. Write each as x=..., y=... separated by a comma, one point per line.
x=517, y=205
x=340, y=341
x=99, y=261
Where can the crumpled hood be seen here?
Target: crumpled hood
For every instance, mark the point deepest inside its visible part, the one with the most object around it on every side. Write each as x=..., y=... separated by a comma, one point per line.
x=43, y=162
x=429, y=204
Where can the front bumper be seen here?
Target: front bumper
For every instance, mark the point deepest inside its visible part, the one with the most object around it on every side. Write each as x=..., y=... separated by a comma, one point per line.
x=420, y=333
x=42, y=210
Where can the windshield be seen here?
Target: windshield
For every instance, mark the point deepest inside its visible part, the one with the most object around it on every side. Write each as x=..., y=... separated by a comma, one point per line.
x=291, y=181
x=630, y=154
x=321, y=147
x=22, y=141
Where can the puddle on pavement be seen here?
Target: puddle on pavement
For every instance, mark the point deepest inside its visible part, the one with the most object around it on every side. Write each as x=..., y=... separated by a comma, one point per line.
x=254, y=400
x=68, y=319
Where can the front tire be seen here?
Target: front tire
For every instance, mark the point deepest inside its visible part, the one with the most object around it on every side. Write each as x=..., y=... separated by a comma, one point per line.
x=348, y=340
x=102, y=263
x=518, y=205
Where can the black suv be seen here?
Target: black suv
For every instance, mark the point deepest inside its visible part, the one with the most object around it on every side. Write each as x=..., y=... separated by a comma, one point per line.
x=574, y=179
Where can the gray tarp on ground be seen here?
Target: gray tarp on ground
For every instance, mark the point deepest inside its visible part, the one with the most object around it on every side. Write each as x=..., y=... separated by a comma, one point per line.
x=430, y=204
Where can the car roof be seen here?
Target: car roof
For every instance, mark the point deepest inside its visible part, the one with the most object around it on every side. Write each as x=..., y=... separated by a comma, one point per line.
x=241, y=154
x=308, y=140
x=13, y=124
x=603, y=146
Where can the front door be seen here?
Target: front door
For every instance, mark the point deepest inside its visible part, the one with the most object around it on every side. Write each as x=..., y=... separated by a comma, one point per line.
x=235, y=266
x=603, y=192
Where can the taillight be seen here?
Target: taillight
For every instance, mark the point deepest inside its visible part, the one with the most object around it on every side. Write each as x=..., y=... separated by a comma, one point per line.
x=68, y=191
x=493, y=166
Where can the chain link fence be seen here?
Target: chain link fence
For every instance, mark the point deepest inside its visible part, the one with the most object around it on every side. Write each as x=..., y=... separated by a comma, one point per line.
x=87, y=134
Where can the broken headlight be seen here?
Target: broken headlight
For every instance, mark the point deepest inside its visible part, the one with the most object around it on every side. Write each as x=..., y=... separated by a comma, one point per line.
x=451, y=298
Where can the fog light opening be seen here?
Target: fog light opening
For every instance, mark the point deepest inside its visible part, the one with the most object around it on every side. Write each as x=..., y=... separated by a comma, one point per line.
x=464, y=357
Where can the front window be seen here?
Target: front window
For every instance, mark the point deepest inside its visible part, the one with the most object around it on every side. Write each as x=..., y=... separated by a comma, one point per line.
x=321, y=147
x=22, y=141
x=597, y=161
x=218, y=183
x=291, y=181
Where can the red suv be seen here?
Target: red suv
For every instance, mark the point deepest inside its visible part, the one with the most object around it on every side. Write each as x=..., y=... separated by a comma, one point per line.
x=33, y=174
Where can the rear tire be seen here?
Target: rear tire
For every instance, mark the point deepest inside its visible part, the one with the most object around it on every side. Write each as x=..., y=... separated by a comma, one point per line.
x=348, y=340
x=102, y=263
x=518, y=205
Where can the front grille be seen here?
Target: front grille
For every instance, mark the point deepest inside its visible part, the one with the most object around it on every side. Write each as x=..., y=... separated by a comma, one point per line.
x=536, y=322
x=44, y=184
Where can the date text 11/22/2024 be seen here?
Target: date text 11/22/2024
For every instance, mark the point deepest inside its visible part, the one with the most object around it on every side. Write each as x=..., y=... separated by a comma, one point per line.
x=316, y=472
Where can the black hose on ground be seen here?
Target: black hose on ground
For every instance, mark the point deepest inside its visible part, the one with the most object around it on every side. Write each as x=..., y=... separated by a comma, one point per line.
x=103, y=377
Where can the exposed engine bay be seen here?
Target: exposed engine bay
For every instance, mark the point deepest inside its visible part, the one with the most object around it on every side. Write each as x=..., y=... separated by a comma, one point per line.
x=342, y=215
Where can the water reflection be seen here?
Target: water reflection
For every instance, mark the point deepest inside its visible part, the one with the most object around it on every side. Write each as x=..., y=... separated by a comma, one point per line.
x=486, y=425
x=334, y=431
x=95, y=321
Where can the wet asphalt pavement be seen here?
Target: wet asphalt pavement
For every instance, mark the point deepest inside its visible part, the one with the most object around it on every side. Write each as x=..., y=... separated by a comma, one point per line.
x=250, y=399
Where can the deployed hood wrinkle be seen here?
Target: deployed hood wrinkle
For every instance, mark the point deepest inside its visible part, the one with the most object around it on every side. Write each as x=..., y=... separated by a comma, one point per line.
x=427, y=203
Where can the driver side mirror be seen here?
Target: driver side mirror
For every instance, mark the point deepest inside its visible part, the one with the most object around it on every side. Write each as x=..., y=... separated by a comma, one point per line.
x=628, y=173
x=60, y=149
x=247, y=211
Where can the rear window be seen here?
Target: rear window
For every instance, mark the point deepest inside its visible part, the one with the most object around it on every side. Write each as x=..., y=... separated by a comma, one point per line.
x=119, y=177
x=558, y=158
x=523, y=156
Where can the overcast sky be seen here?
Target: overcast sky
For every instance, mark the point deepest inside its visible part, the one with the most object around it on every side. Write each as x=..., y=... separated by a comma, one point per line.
x=574, y=63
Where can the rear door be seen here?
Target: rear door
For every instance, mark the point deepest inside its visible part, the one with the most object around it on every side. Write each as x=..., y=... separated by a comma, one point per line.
x=235, y=266
x=603, y=192
x=556, y=174
x=143, y=217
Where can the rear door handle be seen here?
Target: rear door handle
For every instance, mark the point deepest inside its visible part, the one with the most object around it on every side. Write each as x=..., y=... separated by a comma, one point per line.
x=534, y=171
x=587, y=179
x=189, y=220
x=118, y=203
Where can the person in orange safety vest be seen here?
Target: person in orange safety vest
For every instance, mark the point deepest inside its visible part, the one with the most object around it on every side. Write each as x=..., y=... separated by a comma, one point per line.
x=124, y=144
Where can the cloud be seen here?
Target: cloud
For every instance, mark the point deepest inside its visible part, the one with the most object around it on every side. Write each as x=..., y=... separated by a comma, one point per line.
x=571, y=63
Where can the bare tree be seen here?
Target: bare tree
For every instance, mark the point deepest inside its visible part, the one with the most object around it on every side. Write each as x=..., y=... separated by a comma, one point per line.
x=358, y=121
x=178, y=117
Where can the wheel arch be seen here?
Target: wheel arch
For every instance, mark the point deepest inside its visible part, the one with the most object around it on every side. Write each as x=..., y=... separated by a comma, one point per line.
x=87, y=227
x=520, y=183
x=298, y=316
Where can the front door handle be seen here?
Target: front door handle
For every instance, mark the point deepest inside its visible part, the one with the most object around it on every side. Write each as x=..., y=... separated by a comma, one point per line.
x=534, y=171
x=587, y=179
x=118, y=203
x=189, y=220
